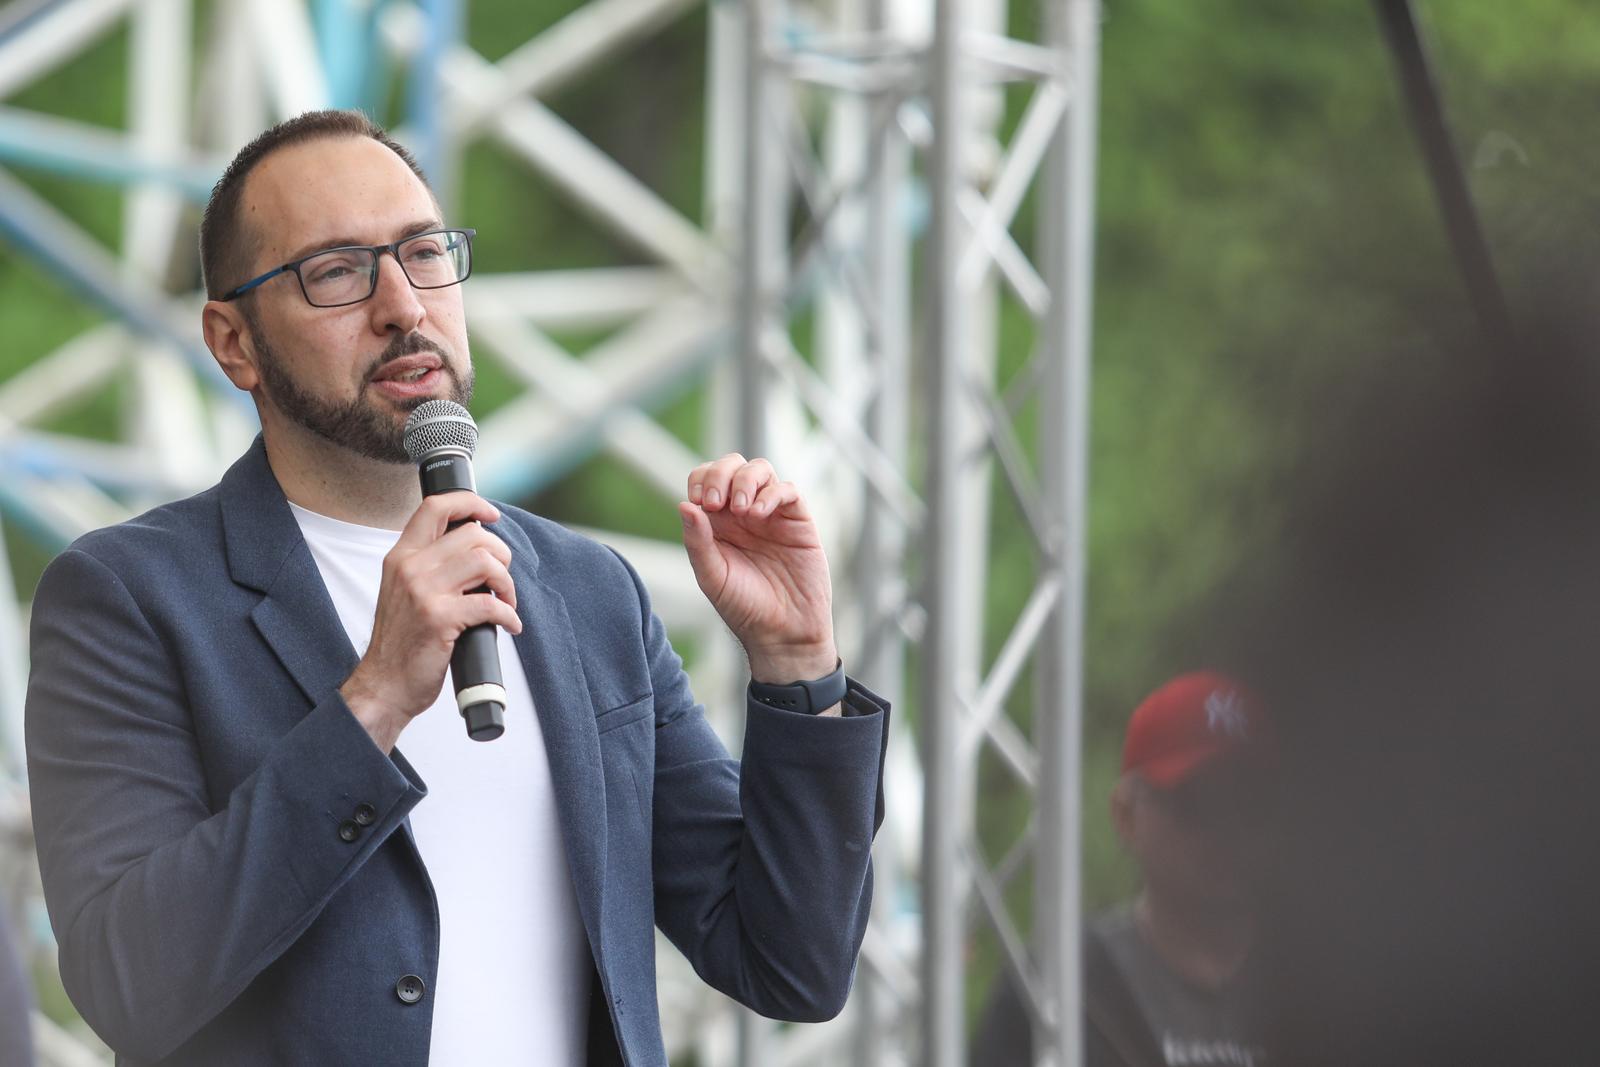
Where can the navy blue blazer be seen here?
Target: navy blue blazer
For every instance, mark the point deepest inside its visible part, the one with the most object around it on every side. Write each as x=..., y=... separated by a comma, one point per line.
x=196, y=776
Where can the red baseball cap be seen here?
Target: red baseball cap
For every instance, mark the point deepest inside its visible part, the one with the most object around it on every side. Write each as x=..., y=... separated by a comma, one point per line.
x=1193, y=720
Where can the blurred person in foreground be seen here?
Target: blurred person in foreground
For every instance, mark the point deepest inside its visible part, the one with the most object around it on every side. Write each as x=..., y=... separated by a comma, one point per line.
x=1165, y=975
x=264, y=834
x=16, y=1024
x=1427, y=636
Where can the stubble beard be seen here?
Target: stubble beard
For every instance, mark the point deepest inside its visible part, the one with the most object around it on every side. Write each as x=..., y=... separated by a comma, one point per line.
x=363, y=425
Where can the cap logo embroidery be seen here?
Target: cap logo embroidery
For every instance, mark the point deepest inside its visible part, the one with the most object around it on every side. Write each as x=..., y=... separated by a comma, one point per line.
x=1225, y=714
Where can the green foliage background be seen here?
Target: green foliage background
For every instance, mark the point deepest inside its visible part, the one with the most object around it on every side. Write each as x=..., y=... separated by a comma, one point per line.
x=1262, y=218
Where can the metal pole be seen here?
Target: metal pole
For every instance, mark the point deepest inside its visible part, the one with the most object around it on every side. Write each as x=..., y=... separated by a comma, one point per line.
x=888, y=266
x=426, y=100
x=1426, y=111
x=345, y=41
x=1068, y=238
x=761, y=265
x=882, y=539
x=165, y=416
x=760, y=251
x=942, y=963
x=721, y=661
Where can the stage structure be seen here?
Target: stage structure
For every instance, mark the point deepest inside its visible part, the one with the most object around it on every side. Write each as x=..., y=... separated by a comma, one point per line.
x=888, y=183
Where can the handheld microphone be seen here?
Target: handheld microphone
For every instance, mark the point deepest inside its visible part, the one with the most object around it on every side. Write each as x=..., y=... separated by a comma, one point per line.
x=440, y=438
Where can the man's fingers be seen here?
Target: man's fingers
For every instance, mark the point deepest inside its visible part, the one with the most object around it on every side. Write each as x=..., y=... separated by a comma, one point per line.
x=779, y=495
x=709, y=482
x=471, y=569
x=699, y=477
x=743, y=487
x=437, y=512
x=436, y=574
x=747, y=482
x=463, y=538
x=731, y=482
x=482, y=607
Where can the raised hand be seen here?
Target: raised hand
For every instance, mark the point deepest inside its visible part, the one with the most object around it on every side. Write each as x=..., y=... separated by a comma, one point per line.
x=757, y=557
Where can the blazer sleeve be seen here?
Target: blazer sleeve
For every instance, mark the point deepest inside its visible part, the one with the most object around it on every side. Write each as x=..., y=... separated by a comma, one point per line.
x=763, y=871
x=167, y=902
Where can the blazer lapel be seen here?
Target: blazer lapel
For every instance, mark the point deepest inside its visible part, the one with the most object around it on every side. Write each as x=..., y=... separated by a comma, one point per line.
x=296, y=617
x=267, y=552
x=549, y=654
x=298, y=620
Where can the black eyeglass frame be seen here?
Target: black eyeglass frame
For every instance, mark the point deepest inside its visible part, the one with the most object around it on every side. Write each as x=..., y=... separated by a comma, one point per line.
x=393, y=248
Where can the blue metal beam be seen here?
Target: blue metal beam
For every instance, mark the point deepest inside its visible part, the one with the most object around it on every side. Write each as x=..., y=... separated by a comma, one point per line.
x=81, y=151
x=19, y=17
x=517, y=478
x=44, y=460
x=347, y=38
x=425, y=103
x=39, y=236
x=30, y=521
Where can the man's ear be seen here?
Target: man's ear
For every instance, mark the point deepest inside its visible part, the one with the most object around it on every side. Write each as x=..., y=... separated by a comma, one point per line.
x=232, y=346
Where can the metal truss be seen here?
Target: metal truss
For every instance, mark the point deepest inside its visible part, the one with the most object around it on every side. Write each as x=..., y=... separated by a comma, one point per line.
x=874, y=134
x=847, y=141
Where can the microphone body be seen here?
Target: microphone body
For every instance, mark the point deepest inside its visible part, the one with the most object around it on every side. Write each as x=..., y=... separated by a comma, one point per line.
x=440, y=438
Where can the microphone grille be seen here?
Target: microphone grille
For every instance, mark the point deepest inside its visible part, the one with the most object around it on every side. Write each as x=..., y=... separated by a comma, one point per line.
x=439, y=425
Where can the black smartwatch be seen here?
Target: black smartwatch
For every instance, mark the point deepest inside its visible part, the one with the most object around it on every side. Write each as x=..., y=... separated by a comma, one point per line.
x=808, y=698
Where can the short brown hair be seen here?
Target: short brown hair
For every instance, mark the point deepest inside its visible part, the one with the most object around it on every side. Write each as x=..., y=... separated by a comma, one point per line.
x=225, y=248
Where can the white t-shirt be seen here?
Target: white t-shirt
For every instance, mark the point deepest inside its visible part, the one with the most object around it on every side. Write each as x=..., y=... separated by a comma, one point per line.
x=514, y=965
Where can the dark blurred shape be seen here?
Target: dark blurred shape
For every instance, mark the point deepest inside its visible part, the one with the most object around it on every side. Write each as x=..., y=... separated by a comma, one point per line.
x=1428, y=639
x=1166, y=975
x=16, y=1037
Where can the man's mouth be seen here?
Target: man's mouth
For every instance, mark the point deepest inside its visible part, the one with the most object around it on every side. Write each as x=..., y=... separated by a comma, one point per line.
x=408, y=370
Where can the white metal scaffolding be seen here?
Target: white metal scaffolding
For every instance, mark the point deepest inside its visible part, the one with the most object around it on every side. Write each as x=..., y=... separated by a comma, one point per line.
x=867, y=195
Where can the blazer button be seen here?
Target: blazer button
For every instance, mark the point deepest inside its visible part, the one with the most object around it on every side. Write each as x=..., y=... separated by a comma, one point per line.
x=409, y=989
x=366, y=814
x=349, y=831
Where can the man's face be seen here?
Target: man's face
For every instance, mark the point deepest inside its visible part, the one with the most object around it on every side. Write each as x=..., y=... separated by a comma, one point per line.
x=348, y=374
x=1193, y=841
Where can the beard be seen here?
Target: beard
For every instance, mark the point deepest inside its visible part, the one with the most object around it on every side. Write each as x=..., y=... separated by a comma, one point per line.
x=362, y=425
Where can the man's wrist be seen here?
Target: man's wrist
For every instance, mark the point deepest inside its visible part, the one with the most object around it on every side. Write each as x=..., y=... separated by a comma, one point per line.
x=785, y=667
x=380, y=722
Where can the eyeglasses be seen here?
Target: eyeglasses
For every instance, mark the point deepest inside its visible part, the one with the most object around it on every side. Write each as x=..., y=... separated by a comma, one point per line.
x=335, y=277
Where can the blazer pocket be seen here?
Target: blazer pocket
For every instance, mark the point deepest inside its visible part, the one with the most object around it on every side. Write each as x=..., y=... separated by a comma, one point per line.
x=631, y=712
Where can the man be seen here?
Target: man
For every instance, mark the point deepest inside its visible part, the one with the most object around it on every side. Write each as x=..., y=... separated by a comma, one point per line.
x=1163, y=976
x=263, y=840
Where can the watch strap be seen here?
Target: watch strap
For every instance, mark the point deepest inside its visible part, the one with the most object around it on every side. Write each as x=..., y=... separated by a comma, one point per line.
x=807, y=698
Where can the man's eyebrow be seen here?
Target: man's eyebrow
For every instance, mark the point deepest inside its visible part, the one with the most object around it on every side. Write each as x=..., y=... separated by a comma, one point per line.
x=411, y=229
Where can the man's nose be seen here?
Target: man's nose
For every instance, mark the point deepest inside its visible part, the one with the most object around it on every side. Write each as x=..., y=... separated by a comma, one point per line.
x=395, y=305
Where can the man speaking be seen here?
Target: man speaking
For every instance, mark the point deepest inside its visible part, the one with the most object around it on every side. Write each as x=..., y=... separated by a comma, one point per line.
x=264, y=833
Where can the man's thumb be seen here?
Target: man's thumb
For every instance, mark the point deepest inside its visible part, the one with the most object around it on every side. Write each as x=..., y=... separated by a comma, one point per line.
x=696, y=529
x=700, y=543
